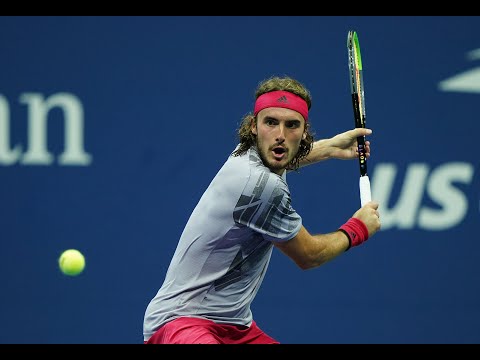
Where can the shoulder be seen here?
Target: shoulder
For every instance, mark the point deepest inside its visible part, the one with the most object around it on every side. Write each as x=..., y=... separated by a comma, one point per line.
x=249, y=168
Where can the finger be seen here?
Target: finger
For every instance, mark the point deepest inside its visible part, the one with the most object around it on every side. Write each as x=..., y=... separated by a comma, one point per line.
x=374, y=204
x=366, y=131
x=361, y=132
x=367, y=148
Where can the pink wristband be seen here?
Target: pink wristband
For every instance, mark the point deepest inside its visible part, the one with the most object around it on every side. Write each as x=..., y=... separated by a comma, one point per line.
x=356, y=232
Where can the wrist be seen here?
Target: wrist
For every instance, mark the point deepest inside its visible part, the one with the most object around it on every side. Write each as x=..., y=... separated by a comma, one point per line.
x=356, y=232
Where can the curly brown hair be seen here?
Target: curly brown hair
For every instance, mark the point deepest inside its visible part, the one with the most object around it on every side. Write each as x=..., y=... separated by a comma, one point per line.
x=274, y=83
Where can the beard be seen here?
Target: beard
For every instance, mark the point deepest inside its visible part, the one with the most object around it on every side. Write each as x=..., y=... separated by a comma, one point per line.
x=275, y=165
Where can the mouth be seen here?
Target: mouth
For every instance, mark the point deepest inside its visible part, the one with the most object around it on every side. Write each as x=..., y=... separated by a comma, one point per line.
x=279, y=152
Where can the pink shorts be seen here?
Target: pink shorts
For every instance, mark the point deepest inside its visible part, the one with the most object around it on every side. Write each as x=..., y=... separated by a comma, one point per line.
x=189, y=330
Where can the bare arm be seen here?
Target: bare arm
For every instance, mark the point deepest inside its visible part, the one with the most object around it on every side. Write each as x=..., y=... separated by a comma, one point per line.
x=310, y=251
x=341, y=146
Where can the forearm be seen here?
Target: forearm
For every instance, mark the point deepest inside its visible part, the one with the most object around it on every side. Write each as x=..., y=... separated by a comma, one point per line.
x=310, y=251
x=320, y=151
x=332, y=245
x=341, y=146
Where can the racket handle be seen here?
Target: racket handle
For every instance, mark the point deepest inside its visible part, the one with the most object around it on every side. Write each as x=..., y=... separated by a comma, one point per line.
x=365, y=191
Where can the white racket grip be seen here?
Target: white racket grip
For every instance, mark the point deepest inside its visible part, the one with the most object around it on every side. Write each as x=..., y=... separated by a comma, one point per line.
x=365, y=191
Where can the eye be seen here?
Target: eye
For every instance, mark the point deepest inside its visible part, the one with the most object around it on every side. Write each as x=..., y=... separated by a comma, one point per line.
x=294, y=124
x=270, y=121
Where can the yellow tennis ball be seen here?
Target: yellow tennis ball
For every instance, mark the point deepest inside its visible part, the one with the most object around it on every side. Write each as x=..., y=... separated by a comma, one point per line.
x=71, y=262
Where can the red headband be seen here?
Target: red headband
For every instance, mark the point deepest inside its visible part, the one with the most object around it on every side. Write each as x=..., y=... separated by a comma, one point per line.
x=283, y=99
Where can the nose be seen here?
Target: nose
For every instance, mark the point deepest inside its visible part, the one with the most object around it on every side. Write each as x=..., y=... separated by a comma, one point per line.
x=281, y=134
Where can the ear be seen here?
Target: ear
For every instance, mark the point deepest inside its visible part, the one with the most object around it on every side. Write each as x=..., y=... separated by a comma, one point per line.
x=304, y=136
x=253, y=127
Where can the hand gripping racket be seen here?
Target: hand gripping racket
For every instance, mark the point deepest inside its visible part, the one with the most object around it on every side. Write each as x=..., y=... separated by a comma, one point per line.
x=358, y=101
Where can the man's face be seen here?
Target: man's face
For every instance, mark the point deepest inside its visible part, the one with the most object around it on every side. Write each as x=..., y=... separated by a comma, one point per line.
x=279, y=133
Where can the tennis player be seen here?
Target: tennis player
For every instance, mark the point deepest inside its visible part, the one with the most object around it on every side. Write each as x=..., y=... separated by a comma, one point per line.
x=225, y=248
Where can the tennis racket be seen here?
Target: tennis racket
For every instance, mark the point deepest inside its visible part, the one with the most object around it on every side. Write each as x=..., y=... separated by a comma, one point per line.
x=358, y=100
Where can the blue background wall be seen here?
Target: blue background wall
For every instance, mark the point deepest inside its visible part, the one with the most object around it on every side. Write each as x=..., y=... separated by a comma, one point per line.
x=152, y=105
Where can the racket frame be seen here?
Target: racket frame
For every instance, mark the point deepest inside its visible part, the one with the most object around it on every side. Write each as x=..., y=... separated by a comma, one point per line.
x=358, y=102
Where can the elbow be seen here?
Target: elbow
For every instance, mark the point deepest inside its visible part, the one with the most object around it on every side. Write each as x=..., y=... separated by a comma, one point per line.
x=304, y=266
x=308, y=263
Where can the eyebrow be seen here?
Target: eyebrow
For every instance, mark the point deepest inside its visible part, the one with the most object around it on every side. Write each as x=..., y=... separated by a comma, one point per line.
x=274, y=118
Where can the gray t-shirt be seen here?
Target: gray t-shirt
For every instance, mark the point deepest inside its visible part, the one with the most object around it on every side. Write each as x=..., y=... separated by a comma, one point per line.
x=225, y=248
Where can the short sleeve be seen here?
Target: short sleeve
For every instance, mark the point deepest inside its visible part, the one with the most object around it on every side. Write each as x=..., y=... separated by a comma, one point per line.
x=265, y=207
